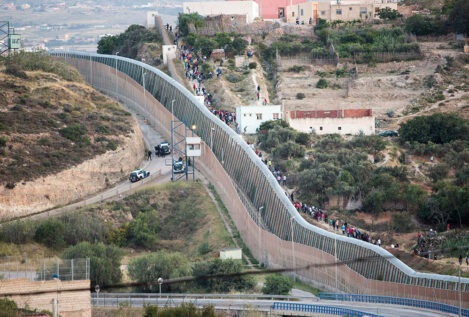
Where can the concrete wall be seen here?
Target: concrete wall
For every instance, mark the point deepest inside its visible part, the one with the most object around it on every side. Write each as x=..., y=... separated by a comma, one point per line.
x=365, y=125
x=74, y=298
x=249, y=118
x=209, y=8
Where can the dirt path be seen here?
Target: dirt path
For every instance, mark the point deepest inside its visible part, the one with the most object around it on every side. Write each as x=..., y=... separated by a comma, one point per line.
x=259, y=80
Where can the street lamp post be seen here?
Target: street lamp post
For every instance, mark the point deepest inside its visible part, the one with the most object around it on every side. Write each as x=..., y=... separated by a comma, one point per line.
x=160, y=282
x=335, y=255
x=259, y=217
x=193, y=127
x=117, y=87
x=144, y=94
x=211, y=138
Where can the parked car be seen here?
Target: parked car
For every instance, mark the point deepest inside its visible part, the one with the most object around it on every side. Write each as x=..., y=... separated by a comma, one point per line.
x=137, y=175
x=165, y=149
x=388, y=133
x=179, y=167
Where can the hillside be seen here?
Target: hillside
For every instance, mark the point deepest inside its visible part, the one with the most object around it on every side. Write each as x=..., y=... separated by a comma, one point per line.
x=52, y=122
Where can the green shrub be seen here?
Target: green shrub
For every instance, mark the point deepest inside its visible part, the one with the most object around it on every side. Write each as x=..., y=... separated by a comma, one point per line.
x=15, y=70
x=51, y=234
x=3, y=141
x=296, y=69
x=204, y=248
x=300, y=96
x=438, y=172
x=402, y=223
x=437, y=128
x=75, y=133
x=150, y=267
x=276, y=284
x=252, y=65
x=18, y=232
x=225, y=284
x=321, y=84
x=105, y=261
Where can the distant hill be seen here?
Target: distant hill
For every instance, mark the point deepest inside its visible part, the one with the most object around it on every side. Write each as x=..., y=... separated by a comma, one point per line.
x=51, y=119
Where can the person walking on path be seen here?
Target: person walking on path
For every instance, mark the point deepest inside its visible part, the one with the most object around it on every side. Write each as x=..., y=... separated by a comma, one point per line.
x=284, y=180
x=149, y=155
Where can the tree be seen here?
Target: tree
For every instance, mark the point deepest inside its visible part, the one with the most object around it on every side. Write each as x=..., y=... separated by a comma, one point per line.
x=438, y=128
x=184, y=20
x=205, y=46
x=459, y=17
x=321, y=84
x=51, y=234
x=142, y=231
x=150, y=267
x=388, y=14
x=105, y=261
x=276, y=284
x=419, y=25
x=239, y=46
x=223, y=39
x=106, y=44
x=190, y=39
x=225, y=284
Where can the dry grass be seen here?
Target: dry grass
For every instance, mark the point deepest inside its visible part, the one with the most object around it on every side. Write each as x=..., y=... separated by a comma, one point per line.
x=36, y=109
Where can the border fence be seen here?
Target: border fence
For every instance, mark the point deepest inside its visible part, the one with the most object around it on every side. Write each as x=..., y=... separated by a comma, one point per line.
x=285, y=239
x=394, y=301
x=44, y=269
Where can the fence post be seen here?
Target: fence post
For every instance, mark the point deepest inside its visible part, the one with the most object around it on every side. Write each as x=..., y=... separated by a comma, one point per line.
x=72, y=269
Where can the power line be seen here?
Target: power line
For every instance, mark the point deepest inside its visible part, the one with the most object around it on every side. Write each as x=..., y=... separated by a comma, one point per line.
x=238, y=274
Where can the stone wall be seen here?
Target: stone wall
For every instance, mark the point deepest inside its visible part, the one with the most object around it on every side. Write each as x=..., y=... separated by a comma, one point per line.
x=74, y=298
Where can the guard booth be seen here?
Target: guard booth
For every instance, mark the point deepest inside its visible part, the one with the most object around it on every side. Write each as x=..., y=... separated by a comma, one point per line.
x=193, y=147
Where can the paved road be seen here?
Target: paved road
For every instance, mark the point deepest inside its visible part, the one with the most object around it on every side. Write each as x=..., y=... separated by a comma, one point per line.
x=265, y=305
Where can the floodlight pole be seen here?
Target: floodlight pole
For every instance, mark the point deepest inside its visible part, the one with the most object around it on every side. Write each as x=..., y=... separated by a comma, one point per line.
x=172, y=140
x=293, y=248
x=117, y=86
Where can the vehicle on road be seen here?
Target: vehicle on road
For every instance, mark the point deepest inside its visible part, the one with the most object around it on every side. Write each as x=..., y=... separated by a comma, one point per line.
x=179, y=167
x=137, y=175
x=165, y=149
x=388, y=133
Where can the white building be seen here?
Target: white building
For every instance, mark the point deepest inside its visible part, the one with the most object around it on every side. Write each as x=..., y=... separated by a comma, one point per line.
x=341, y=121
x=212, y=8
x=235, y=254
x=249, y=118
x=151, y=19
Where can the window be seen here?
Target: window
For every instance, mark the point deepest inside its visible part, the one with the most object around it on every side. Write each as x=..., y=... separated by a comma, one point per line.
x=250, y=114
x=259, y=116
x=338, y=11
x=340, y=128
x=275, y=116
x=350, y=8
x=320, y=128
x=323, y=12
x=362, y=10
x=301, y=11
x=293, y=14
x=245, y=115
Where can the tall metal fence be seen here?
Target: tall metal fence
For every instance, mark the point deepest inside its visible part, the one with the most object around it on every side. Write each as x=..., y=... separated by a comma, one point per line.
x=423, y=304
x=44, y=269
x=285, y=239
